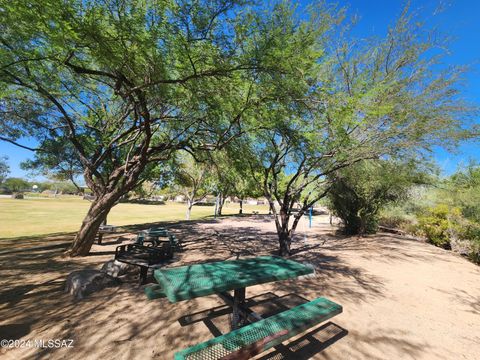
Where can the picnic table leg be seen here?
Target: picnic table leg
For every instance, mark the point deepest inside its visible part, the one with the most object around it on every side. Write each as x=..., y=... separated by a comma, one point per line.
x=238, y=301
x=143, y=274
x=246, y=314
x=100, y=236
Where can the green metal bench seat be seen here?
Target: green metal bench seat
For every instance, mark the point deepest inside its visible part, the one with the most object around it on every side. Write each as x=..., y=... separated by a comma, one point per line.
x=257, y=337
x=154, y=292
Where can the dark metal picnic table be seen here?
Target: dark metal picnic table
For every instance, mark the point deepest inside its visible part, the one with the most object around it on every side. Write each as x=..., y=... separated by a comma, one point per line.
x=154, y=236
x=188, y=282
x=105, y=229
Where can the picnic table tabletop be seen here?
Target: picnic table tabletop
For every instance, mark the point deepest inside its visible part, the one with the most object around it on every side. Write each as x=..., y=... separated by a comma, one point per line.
x=155, y=232
x=188, y=282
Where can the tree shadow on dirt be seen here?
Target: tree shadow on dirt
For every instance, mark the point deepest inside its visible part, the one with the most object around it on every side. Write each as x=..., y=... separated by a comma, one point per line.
x=120, y=320
x=310, y=344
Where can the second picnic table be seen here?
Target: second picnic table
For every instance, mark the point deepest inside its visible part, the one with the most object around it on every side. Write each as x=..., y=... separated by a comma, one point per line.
x=188, y=282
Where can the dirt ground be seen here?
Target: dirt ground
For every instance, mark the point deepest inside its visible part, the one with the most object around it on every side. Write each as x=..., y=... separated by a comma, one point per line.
x=402, y=298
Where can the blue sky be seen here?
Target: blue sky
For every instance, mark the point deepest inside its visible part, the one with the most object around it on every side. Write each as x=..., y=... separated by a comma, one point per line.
x=458, y=19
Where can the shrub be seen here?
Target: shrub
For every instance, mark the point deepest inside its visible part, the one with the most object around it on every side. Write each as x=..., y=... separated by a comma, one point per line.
x=471, y=232
x=439, y=224
x=392, y=221
x=16, y=185
x=360, y=192
x=474, y=253
x=408, y=223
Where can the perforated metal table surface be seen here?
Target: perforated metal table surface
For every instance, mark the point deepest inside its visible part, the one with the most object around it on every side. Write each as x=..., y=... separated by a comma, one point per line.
x=188, y=282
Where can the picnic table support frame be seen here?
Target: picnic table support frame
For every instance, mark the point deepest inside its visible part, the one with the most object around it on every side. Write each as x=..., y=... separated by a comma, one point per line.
x=143, y=275
x=240, y=313
x=238, y=301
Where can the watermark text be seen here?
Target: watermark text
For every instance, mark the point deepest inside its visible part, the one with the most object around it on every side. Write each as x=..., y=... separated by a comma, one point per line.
x=37, y=343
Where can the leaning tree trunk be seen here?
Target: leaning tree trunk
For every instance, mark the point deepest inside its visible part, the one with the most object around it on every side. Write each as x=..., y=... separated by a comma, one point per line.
x=96, y=215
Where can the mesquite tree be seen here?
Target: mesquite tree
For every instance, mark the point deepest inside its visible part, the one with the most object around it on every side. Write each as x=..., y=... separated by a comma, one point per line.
x=125, y=83
x=191, y=179
x=224, y=179
x=386, y=97
x=292, y=168
x=230, y=175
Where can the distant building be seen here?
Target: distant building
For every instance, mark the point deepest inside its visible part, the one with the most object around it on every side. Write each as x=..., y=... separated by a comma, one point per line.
x=179, y=198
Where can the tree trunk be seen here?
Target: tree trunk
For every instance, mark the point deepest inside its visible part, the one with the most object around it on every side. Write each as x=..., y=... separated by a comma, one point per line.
x=85, y=237
x=221, y=202
x=362, y=229
x=189, y=209
x=285, y=230
x=284, y=237
x=241, y=207
x=284, y=241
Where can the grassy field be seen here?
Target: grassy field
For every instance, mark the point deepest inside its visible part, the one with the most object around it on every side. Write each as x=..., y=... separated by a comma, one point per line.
x=39, y=216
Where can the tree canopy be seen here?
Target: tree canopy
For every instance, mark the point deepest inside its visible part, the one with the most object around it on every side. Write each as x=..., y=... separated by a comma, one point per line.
x=356, y=101
x=192, y=179
x=124, y=84
x=112, y=89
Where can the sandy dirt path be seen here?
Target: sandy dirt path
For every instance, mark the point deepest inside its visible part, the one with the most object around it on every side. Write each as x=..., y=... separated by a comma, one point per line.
x=402, y=298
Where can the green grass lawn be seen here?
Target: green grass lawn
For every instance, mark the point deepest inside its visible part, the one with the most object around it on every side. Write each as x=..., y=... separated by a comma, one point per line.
x=40, y=216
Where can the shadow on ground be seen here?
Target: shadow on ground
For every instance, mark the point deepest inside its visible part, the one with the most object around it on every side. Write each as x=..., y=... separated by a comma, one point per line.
x=121, y=320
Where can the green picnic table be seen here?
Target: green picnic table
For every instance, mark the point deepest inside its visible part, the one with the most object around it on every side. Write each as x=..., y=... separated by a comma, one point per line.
x=243, y=342
x=188, y=282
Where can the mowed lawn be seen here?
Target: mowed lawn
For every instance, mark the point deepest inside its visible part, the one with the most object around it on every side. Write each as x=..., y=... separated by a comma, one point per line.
x=40, y=216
